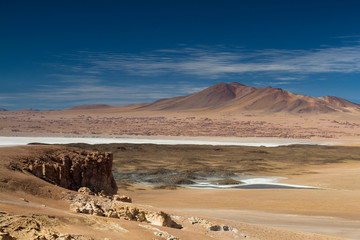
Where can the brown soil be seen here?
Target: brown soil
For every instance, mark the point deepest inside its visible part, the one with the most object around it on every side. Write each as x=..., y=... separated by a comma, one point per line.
x=127, y=121
x=24, y=194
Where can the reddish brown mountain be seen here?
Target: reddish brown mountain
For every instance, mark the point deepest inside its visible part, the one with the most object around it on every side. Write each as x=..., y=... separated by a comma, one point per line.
x=238, y=97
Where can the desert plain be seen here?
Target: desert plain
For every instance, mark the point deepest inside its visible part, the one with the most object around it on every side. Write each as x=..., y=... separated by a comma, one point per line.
x=320, y=153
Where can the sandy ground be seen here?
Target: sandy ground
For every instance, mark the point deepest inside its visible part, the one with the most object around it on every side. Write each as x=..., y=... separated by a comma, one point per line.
x=333, y=211
x=257, y=214
x=124, y=121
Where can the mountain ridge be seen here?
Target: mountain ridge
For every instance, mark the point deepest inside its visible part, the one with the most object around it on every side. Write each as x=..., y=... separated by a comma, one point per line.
x=239, y=97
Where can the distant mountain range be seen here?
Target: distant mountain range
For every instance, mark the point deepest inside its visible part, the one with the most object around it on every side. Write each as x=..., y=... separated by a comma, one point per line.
x=3, y=109
x=238, y=97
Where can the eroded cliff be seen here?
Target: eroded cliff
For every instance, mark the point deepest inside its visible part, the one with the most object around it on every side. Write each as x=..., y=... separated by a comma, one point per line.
x=75, y=169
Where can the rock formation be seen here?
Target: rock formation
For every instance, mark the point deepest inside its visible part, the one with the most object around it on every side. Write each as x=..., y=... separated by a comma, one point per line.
x=90, y=174
x=117, y=208
x=38, y=227
x=73, y=169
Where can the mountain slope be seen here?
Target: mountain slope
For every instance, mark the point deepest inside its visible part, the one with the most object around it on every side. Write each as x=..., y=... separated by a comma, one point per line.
x=238, y=97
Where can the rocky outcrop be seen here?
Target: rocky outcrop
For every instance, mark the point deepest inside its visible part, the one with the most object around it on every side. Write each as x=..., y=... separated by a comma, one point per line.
x=38, y=227
x=73, y=169
x=114, y=208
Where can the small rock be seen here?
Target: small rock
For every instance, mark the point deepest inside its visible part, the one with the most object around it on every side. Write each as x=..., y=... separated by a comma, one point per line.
x=214, y=228
x=173, y=238
x=176, y=217
x=226, y=228
x=85, y=190
x=158, y=234
x=161, y=219
x=102, y=194
x=122, y=198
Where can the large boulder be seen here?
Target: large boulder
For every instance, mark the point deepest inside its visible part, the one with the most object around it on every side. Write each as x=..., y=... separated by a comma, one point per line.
x=73, y=169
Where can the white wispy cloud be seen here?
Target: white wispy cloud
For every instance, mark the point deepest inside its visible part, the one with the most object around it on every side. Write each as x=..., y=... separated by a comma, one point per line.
x=49, y=96
x=289, y=78
x=96, y=77
x=280, y=83
x=6, y=97
x=214, y=63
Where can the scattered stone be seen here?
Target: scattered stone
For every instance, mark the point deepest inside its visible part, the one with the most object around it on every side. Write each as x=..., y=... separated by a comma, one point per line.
x=100, y=206
x=165, y=235
x=68, y=236
x=176, y=217
x=160, y=233
x=39, y=227
x=211, y=226
x=85, y=190
x=102, y=193
x=226, y=228
x=122, y=198
x=214, y=228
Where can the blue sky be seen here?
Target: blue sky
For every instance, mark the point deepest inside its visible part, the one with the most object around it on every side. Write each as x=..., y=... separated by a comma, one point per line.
x=58, y=54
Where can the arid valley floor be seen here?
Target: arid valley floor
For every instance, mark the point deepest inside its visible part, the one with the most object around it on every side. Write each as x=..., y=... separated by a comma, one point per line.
x=331, y=212
x=185, y=191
